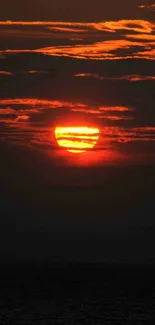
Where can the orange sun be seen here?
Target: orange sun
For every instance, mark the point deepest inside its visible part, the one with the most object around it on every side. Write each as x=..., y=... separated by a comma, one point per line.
x=77, y=139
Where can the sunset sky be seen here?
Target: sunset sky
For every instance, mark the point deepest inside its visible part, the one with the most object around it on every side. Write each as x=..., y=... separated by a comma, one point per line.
x=68, y=62
x=69, y=10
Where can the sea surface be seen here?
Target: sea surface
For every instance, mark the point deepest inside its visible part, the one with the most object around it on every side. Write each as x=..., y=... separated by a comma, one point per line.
x=77, y=293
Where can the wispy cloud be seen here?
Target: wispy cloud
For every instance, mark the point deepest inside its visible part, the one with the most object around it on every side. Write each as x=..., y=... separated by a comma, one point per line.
x=147, y=37
x=21, y=118
x=116, y=118
x=23, y=109
x=7, y=111
x=39, y=103
x=122, y=134
x=5, y=73
x=110, y=110
x=148, y=54
x=132, y=78
x=34, y=105
x=116, y=109
x=88, y=110
x=10, y=73
x=92, y=75
x=147, y=6
x=65, y=29
x=141, y=26
x=102, y=50
x=103, y=40
x=97, y=51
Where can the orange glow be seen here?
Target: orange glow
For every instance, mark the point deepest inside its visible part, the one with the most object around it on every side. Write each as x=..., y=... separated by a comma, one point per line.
x=125, y=77
x=136, y=25
x=146, y=37
x=96, y=51
x=22, y=118
x=65, y=29
x=6, y=73
x=99, y=47
x=77, y=139
x=149, y=7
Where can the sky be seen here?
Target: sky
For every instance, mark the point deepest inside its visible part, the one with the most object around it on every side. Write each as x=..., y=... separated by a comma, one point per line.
x=69, y=10
x=84, y=63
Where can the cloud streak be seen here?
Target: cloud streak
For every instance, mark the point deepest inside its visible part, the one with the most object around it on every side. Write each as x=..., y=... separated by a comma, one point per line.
x=17, y=117
x=105, y=40
x=34, y=106
x=132, y=78
x=97, y=51
x=140, y=26
x=150, y=7
x=5, y=73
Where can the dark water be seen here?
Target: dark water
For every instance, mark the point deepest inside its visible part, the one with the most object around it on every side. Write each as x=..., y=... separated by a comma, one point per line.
x=77, y=294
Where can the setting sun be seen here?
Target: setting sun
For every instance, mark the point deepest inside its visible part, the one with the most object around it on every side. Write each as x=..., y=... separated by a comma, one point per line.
x=77, y=139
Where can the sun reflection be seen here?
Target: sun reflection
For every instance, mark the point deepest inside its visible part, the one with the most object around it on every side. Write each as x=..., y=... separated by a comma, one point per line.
x=77, y=139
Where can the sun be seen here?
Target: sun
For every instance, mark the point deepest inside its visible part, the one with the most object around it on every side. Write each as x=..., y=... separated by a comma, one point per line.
x=76, y=139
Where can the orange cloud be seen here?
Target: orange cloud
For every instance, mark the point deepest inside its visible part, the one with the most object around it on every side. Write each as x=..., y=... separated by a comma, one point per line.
x=21, y=118
x=40, y=103
x=35, y=104
x=116, y=118
x=116, y=109
x=96, y=51
x=5, y=121
x=94, y=75
x=149, y=55
x=33, y=71
x=139, y=78
x=99, y=49
x=147, y=6
x=142, y=6
x=86, y=110
x=30, y=34
x=38, y=106
x=65, y=29
x=126, y=77
x=123, y=135
x=6, y=73
x=99, y=112
x=101, y=109
x=41, y=23
x=6, y=111
x=37, y=72
x=146, y=37
x=142, y=26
